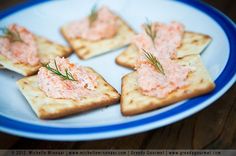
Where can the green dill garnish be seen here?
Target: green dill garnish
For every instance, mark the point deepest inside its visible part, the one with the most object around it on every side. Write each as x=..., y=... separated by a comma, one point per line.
x=150, y=31
x=93, y=15
x=153, y=60
x=66, y=76
x=13, y=36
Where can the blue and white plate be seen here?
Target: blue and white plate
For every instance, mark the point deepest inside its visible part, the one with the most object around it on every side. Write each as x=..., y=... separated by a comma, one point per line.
x=46, y=17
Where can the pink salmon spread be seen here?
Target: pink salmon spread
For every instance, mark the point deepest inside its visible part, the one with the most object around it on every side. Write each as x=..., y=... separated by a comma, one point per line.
x=150, y=81
x=105, y=26
x=55, y=86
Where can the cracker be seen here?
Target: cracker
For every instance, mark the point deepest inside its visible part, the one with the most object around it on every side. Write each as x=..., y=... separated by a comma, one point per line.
x=21, y=68
x=193, y=43
x=134, y=102
x=47, y=50
x=51, y=108
x=86, y=49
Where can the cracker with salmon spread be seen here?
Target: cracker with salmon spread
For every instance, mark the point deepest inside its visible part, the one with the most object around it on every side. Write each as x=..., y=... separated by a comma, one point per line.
x=14, y=43
x=46, y=50
x=52, y=108
x=20, y=68
x=86, y=48
x=192, y=43
x=134, y=102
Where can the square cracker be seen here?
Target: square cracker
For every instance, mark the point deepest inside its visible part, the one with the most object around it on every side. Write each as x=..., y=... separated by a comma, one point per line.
x=51, y=108
x=193, y=43
x=86, y=49
x=47, y=50
x=21, y=68
x=134, y=102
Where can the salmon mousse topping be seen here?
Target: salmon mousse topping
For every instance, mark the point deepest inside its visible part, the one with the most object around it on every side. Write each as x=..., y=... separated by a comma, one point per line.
x=100, y=24
x=18, y=45
x=158, y=73
x=62, y=79
x=164, y=39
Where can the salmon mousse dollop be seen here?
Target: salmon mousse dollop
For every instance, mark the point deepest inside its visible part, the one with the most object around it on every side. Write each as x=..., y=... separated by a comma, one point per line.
x=64, y=80
x=165, y=38
x=18, y=45
x=100, y=24
x=159, y=73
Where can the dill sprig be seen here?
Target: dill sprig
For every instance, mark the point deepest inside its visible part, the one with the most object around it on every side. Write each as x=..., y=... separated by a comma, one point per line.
x=93, y=15
x=154, y=61
x=66, y=76
x=13, y=36
x=150, y=31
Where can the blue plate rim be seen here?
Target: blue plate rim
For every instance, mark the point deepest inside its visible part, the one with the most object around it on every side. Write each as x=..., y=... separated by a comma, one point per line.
x=224, y=81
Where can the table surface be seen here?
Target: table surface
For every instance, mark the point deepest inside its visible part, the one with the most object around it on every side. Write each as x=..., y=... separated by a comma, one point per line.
x=212, y=128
